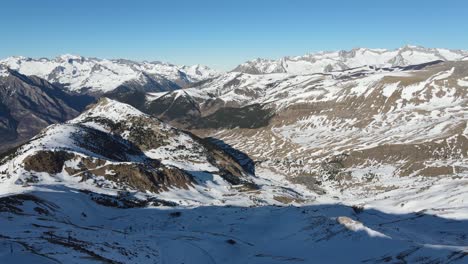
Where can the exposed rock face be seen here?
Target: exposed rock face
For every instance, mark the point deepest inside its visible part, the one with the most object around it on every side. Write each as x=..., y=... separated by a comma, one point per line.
x=144, y=178
x=148, y=176
x=47, y=161
x=29, y=104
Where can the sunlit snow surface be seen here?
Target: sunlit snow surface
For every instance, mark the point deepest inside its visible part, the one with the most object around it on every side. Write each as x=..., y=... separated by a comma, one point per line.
x=326, y=61
x=102, y=75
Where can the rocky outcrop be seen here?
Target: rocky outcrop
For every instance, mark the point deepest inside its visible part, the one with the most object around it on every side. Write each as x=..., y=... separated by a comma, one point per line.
x=47, y=161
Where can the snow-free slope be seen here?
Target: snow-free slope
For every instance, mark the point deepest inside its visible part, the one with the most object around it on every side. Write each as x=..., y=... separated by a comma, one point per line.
x=29, y=104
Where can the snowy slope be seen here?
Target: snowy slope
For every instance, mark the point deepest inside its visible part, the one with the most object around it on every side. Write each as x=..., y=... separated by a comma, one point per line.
x=113, y=147
x=390, y=138
x=384, y=137
x=75, y=216
x=76, y=73
x=77, y=192
x=341, y=60
x=58, y=225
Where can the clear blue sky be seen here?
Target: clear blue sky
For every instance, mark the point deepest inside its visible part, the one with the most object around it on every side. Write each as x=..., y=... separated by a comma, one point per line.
x=222, y=34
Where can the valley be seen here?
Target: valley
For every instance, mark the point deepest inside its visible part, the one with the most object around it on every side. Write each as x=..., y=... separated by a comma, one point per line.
x=354, y=156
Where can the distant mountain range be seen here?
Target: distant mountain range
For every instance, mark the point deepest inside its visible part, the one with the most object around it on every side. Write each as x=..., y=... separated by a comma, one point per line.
x=97, y=76
x=76, y=81
x=328, y=61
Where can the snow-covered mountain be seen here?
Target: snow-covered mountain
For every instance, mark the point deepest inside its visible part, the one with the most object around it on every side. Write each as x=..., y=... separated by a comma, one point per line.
x=354, y=133
x=93, y=75
x=342, y=60
x=115, y=185
x=99, y=76
x=113, y=146
x=372, y=161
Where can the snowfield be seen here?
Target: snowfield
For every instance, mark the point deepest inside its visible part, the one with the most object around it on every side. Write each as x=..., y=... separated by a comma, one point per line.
x=66, y=226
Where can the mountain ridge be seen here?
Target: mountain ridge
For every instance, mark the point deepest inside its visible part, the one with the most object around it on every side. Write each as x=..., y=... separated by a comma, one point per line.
x=98, y=76
x=94, y=75
x=326, y=61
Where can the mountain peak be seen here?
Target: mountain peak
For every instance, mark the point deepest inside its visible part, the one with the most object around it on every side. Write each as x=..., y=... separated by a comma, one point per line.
x=410, y=46
x=109, y=109
x=70, y=57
